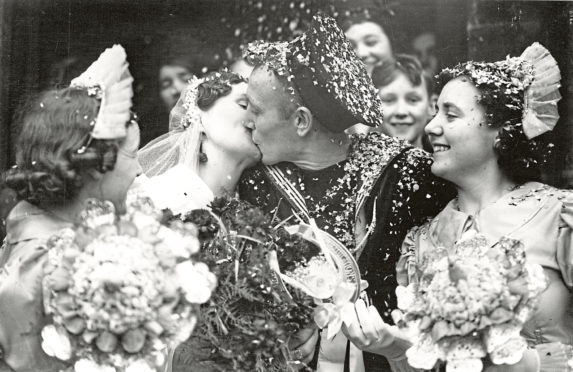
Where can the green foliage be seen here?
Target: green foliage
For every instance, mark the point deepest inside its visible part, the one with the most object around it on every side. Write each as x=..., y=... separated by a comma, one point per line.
x=250, y=317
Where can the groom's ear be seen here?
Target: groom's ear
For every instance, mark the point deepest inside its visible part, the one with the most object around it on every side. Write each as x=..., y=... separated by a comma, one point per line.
x=303, y=121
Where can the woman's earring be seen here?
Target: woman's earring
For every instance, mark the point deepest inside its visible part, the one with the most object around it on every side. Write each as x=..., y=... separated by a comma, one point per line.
x=202, y=157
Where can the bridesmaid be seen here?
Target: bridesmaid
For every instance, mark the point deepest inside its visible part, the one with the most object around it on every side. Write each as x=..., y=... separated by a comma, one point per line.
x=76, y=143
x=488, y=140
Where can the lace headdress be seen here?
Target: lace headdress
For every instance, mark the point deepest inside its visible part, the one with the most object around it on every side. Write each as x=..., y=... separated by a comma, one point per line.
x=530, y=81
x=108, y=79
x=181, y=144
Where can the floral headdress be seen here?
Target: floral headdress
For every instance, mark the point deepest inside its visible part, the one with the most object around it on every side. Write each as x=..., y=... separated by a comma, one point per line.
x=108, y=79
x=322, y=66
x=186, y=114
x=530, y=81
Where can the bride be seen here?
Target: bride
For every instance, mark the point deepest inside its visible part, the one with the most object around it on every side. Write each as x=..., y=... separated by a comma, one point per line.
x=206, y=150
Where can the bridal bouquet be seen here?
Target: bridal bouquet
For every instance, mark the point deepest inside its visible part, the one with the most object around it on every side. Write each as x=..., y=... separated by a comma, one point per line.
x=470, y=304
x=121, y=291
x=247, y=323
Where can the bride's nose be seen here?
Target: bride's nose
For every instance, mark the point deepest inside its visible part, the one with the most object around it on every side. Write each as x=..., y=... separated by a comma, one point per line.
x=249, y=124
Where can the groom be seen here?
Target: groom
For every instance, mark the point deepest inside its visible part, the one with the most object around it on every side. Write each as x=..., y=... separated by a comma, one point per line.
x=366, y=190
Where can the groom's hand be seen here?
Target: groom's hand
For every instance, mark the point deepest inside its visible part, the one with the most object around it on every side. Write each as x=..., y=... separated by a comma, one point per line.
x=303, y=344
x=368, y=332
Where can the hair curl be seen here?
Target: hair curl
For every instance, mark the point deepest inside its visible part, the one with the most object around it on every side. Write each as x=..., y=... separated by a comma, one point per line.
x=520, y=158
x=215, y=86
x=407, y=65
x=54, y=126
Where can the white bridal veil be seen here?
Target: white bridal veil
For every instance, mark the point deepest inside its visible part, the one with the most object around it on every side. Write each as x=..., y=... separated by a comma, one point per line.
x=170, y=162
x=180, y=146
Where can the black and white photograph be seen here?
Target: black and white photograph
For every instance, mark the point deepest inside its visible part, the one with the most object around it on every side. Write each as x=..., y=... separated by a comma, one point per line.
x=286, y=185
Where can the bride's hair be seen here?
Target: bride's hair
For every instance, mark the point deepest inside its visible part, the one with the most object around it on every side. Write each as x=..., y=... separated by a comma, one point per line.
x=215, y=86
x=54, y=126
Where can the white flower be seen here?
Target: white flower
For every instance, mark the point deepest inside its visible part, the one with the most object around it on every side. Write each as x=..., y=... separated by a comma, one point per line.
x=196, y=281
x=55, y=342
x=139, y=366
x=406, y=296
x=180, y=246
x=86, y=365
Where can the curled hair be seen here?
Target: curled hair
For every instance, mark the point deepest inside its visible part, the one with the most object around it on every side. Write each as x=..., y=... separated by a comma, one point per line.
x=519, y=158
x=407, y=65
x=54, y=126
x=216, y=85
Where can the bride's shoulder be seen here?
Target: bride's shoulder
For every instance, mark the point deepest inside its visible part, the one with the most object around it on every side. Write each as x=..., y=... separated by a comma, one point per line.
x=178, y=189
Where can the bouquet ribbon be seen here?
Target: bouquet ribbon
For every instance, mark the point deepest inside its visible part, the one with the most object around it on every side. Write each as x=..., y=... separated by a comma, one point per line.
x=339, y=311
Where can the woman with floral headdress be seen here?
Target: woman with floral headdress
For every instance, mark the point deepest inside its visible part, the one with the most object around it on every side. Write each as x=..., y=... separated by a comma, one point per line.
x=76, y=143
x=488, y=140
x=206, y=150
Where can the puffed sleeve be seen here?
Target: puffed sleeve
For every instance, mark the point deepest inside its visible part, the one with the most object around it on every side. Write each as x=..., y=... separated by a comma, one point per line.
x=21, y=309
x=406, y=266
x=565, y=240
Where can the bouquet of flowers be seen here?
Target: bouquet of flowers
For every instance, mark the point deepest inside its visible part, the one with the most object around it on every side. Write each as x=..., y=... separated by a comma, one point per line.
x=121, y=291
x=247, y=323
x=470, y=304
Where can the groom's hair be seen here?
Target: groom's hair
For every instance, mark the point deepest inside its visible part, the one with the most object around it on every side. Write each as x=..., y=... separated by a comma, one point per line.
x=215, y=86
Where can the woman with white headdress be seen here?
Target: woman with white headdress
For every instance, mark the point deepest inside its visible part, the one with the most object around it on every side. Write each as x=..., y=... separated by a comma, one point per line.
x=76, y=143
x=206, y=150
x=490, y=137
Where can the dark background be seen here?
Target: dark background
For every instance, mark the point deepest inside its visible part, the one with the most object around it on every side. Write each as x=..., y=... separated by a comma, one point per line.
x=39, y=36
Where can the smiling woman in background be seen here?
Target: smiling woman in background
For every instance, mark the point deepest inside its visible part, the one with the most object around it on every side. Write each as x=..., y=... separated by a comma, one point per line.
x=370, y=42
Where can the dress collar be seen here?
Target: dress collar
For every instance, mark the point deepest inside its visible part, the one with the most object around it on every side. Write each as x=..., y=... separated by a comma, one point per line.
x=504, y=217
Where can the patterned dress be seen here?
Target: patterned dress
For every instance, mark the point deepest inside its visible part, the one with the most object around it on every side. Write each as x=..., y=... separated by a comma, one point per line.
x=368, y=202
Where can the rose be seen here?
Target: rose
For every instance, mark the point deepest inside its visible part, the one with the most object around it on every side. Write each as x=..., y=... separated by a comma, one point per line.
x=196, y=281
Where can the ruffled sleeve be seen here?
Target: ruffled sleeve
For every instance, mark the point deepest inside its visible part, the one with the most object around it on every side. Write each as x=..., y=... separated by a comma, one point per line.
x=565, y=240
x=406, y=266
